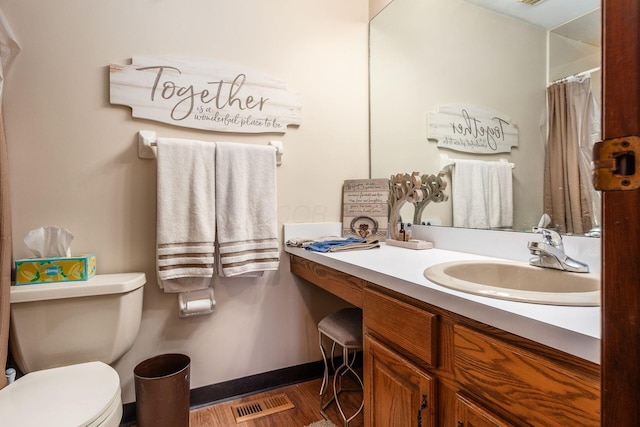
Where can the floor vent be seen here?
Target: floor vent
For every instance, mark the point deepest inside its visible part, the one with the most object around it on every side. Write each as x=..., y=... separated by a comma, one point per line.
x=261, y=407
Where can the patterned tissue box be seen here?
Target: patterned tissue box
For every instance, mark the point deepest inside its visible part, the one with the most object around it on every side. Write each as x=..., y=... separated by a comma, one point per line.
x=31, y=271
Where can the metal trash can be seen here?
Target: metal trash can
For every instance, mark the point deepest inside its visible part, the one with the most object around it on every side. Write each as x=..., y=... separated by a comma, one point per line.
x=162, y=391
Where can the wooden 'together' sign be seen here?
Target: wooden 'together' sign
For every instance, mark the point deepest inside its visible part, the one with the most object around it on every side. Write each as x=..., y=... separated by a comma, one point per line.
x=200, y=94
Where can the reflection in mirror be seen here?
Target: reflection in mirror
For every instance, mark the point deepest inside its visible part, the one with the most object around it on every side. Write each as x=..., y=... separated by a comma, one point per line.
x=425, y=54
x=574, y=122
x=415, y=190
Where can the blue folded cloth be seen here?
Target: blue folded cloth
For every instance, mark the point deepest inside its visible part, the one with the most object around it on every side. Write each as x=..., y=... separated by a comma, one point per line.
x=325, y=246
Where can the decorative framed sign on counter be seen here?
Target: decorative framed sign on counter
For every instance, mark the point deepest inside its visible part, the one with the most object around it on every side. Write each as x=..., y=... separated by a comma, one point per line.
x=472, y=128
x=365, y=209
x=202, y=94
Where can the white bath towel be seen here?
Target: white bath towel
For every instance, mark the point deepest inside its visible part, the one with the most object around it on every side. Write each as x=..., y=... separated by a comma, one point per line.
x=482, y=194
x=246, y=209
x=469, y=194
x=186, y=214
x=500, y=177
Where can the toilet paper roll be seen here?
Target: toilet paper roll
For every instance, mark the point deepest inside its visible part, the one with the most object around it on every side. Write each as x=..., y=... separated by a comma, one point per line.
x=198, y=306
x=196, y=303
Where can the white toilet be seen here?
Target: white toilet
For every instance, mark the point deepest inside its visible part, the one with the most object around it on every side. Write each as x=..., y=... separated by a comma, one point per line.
x=63, y=336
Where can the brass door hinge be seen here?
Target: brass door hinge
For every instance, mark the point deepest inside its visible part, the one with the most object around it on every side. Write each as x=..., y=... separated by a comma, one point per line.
x=615, y=165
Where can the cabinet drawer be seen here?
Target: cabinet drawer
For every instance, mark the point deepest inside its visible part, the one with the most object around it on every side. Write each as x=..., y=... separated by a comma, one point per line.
x=347, y=287
x=410, y=328
x=533, y=389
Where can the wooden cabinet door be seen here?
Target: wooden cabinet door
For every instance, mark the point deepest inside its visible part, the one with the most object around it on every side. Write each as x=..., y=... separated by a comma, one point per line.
x=470, y=414
x=397, y=392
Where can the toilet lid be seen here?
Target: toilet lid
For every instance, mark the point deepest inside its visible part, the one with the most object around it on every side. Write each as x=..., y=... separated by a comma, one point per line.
x=77, y=395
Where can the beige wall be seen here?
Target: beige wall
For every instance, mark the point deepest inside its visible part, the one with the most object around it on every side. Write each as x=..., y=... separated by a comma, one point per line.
x=375, y=6
x=74, y=160
x=568, y=57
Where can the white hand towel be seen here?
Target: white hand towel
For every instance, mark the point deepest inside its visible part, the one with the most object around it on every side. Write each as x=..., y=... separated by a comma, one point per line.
x=186, y=214
x=469, y=194
x=500, y=195
x=246, y=209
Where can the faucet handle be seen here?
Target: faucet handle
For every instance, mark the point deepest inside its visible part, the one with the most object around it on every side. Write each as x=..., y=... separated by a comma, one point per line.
x=550, y=237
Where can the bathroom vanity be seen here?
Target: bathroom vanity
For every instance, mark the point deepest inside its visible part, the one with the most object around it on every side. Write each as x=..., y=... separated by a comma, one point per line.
x=438, y=357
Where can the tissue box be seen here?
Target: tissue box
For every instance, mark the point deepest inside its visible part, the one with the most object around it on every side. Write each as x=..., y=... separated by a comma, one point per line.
x=63, y=269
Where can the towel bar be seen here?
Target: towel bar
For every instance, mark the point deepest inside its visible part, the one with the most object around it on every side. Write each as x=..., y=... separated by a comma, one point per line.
x=446, y=161
x=147, y=146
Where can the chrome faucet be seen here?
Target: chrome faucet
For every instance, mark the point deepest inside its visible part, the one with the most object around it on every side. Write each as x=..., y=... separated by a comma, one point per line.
x=550, y=253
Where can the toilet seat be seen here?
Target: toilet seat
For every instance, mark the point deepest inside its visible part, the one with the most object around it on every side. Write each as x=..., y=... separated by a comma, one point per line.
x=86, y=394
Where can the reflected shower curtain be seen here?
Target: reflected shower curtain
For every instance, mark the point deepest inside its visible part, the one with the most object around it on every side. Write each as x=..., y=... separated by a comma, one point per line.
x=574, y=125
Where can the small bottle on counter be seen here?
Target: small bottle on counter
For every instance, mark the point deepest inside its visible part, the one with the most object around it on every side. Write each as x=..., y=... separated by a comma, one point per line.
x=401, y=232
x=407, y=232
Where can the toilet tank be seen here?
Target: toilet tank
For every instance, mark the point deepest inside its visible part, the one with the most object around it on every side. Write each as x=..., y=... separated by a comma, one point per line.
x=60, y=324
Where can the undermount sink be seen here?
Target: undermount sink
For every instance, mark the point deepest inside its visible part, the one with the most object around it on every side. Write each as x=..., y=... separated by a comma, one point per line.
x=515, y=281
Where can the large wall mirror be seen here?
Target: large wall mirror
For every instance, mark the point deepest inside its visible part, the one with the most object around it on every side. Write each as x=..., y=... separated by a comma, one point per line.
x=426, y=54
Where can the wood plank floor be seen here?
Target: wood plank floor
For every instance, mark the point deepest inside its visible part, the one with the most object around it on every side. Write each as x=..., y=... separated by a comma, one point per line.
x=303, y=395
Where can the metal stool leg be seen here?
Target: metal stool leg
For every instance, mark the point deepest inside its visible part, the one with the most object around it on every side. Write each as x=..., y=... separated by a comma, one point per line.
x=343, y=328
x=346, y=367
x=325, y=376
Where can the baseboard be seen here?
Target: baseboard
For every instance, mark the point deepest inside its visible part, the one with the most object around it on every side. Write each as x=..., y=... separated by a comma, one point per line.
x=216, y=393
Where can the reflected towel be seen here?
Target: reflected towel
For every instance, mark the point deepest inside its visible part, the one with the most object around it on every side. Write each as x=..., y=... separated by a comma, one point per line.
x=469, y=194
x=482, y=194
x=500, y=194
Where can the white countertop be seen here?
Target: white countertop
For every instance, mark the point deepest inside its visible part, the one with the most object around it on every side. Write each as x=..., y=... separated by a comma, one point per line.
x=574, y=330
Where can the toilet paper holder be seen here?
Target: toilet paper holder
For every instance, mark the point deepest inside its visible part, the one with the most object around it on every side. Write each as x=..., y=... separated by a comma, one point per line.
x=196, y=303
